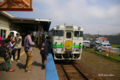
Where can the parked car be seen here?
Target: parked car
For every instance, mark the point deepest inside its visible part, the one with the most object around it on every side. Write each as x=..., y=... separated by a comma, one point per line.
x=86, y=43
x=99, y=47
x=97, y=42
x=92, y=44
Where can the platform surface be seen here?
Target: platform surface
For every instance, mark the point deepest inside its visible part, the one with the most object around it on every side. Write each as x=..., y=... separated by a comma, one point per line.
x=19, y=74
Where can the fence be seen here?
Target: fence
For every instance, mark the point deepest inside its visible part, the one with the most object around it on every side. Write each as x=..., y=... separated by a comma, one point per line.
x=86, y=45
x=111, y=50
x=113, y=53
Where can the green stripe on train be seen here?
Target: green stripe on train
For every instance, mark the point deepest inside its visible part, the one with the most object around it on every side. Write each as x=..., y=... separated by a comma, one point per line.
x=58, y=45
x=61, y=46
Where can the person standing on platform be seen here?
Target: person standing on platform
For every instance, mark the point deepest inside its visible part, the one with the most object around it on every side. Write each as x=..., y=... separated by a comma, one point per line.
x=7, y=58
x=17, y=46
x=12, y=44
x=44, y=51
x=28, y=43
x=1, y=41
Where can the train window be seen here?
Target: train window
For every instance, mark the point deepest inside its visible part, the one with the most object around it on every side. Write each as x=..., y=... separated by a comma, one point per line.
x=78, y=33
x=81, y=33
x=58, y=33
x=68, y=35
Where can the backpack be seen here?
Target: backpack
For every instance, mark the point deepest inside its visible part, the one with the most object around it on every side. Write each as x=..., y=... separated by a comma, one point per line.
x=3, y=51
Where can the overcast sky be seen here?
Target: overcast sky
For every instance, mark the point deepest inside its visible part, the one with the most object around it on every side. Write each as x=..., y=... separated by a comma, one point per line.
x=91, y=15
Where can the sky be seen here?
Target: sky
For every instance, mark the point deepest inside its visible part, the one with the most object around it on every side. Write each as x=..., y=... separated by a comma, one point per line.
x=91, y=15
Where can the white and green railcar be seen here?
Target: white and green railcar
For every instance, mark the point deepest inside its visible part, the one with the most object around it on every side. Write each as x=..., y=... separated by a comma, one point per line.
x=67, y=42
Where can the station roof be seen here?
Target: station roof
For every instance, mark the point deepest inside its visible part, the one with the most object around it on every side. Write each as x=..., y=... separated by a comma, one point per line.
x=28, y=21
x=32, y=22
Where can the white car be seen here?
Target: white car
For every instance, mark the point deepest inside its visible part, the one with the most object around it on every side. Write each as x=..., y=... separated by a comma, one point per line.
x=86, y=43
x=99, y=47
x=15, y=32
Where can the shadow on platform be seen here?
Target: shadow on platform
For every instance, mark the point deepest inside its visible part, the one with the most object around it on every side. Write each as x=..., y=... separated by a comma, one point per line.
x=21, y=66
x=36, y=63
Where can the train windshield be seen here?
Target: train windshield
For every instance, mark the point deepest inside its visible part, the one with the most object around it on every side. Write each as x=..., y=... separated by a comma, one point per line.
x=68, y=34
x=78, y=33
x=58, y=33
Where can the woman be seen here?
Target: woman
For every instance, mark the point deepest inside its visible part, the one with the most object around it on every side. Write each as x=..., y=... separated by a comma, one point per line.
x=11, y=45
x=0, y=41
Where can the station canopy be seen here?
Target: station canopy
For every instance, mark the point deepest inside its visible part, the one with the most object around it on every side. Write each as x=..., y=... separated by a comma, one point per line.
x=32, y=23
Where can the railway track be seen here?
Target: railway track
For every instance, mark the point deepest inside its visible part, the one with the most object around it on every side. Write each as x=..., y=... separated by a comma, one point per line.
x=72, y=72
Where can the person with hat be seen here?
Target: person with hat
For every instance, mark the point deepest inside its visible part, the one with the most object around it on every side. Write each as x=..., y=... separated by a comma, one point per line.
x=17, y=46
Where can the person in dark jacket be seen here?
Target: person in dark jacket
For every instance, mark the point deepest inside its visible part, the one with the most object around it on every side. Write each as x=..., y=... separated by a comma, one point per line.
x=44, y=51
x=7, y=58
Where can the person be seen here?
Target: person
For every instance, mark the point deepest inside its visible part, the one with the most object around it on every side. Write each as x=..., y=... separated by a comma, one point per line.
x=13, y=38
x=12, y=45
x=28, y=45
x=43, y=36
x=17, y=46
x=44, y=51
x=7, y=58
x=0, y=40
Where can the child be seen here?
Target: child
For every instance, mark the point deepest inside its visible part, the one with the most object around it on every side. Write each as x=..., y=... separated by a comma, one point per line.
x=7, y=58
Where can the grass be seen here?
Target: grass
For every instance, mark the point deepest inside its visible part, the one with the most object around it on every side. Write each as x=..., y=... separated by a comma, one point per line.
x=114, y=45
x=115, y=57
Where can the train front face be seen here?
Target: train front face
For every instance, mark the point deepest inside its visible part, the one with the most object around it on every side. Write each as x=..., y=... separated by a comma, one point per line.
x=67, y=42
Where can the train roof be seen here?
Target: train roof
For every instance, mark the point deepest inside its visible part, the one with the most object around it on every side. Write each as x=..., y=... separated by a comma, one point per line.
x=62, y=27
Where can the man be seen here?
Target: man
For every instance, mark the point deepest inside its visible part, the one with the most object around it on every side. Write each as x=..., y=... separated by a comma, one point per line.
x=17, y=46
x=28, y=49
x=45, y=50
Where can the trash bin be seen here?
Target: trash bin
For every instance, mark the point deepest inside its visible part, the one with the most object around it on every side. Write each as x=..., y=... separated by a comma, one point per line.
x=118, y=46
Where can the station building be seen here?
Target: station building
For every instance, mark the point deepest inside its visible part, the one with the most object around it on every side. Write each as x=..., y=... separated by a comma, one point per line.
x=22, y=25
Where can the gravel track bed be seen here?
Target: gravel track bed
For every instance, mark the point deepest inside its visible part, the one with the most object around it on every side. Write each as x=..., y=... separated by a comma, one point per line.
x=95, y=67
x=98, y=67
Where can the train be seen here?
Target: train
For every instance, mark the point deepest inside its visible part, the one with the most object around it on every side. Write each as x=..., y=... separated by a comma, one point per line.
x=66, y=42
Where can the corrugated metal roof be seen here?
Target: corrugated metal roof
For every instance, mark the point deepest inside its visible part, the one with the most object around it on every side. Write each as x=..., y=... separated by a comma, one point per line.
x=7, y=14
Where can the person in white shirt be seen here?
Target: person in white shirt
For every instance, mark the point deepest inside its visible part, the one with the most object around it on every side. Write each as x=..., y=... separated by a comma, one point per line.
x=17, y=46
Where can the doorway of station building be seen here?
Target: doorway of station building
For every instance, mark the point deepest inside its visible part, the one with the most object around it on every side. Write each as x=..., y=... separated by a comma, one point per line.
x=37, y=27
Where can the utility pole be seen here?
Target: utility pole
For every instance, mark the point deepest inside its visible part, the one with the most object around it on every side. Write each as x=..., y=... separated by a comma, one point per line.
x=98, y=34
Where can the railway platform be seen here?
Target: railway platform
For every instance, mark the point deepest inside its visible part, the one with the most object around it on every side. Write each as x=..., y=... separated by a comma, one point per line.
x=35, y=74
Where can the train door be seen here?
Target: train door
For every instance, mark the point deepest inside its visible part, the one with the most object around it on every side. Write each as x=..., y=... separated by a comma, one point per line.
x=68, y=35
x=68, y=38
